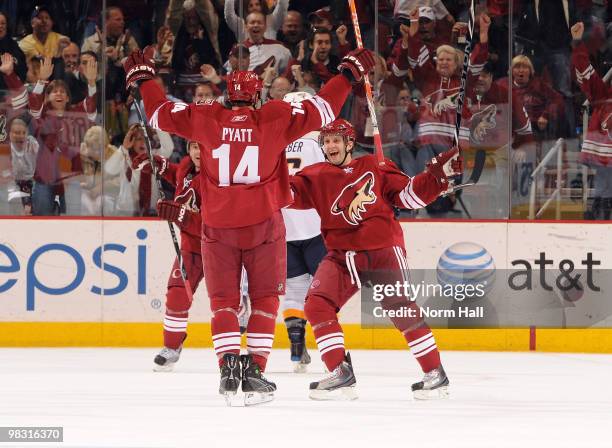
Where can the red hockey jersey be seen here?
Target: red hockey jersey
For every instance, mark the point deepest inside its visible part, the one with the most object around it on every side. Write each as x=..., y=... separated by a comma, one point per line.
x=438, y=111
x=59, y=136
x=187, y=182
x=597, y=144
x=355, y=201
x=490, y=114
x=244, y=177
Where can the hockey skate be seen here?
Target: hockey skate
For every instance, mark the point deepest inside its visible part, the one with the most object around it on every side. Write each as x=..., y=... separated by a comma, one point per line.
x=339, y=385
x=433, y=386
x=230, y=377
x=257, y=389
x=299, y=355
x=301, y=366
x=165, y=360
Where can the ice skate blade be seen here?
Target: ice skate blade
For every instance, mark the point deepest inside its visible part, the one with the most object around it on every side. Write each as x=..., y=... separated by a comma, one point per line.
x=166, y=368
x=348, y=393
x=255, y=398
x=441, y=393
x=298, y=367
x=231, y=399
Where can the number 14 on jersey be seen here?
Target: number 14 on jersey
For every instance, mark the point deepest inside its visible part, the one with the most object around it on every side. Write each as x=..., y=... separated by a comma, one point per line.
x=247, y=171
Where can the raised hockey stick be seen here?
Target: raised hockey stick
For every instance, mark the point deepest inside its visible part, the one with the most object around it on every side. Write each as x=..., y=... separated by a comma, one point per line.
x=479, y=159
x=479, y=162
x=368, y=89
x=177, y=248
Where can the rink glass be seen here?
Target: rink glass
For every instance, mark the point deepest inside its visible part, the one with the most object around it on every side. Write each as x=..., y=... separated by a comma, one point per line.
x=507, y=188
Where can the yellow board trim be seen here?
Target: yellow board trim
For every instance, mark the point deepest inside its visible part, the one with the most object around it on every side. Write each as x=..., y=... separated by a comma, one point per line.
x=591, y=340
x=95, y=334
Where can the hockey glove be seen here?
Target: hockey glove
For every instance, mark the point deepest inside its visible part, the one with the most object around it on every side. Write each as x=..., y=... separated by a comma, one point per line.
x=174, y=212
x=141, y=162
x=357, y=64
x=444, y=166
x=139, y=66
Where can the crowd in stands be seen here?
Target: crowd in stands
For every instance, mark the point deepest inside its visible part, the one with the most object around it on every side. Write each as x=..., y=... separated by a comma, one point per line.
x=68, y=127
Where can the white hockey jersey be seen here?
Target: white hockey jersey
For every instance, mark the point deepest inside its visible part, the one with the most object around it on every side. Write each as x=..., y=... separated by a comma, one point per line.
x=305, y=151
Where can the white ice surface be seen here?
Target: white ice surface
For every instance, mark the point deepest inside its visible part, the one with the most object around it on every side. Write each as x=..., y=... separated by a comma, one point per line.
x=111, y=398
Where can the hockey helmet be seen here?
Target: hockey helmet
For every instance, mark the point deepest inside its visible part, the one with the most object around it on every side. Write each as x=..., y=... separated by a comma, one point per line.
x=243, y=86
x=338, y=127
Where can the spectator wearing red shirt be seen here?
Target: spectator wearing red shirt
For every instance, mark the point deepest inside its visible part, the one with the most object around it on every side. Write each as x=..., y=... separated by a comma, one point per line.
x=59, y=128
x=543, y=104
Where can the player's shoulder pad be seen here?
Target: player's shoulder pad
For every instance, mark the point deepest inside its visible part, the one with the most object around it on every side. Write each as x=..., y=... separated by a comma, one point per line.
x=274, y=110
x=315, y=169
x=388, y=168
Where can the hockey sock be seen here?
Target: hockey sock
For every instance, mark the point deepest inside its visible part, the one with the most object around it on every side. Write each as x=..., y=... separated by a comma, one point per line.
x=416, y=332
x=175, y=319
x=423, y=346
x=295, y=295
x=260, y=329
x=321, y=314
x=225, y=328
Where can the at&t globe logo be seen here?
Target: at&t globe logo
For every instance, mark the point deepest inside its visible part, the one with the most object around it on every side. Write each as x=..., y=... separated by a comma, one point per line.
x=466, y=263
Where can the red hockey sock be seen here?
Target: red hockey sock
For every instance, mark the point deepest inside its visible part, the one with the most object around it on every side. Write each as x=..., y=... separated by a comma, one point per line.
x=423, y=346
x=327, y=330
x=175, y=319
x=175, y=329
x=260, y=329
x=225, y=331
x=417, y=333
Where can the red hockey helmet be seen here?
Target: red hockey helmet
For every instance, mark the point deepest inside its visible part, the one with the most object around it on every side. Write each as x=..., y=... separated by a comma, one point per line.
x=243, y=86
x=338, y=127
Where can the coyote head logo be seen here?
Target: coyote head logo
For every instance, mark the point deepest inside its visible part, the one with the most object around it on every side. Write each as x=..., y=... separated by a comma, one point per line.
x=482, y=122
x=351, y=202
x=449, y=102
x=189, y=199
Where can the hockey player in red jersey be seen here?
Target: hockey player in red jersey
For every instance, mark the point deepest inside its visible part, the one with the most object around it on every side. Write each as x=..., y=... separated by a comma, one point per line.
x=244, y=184
x=354, y=198
x=184, y=211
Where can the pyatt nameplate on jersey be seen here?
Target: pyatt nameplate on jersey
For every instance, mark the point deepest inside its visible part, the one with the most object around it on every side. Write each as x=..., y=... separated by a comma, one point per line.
x=237, y=134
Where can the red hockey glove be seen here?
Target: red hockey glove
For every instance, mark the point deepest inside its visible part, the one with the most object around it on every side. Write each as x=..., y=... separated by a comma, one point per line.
x=357, y=64
x=139, y=66
x=445, y=165
x=141, y=162
x=174, y=212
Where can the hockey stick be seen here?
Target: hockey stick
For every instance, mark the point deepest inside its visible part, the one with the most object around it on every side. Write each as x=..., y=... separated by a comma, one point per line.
x=149, y=147
x=368, y=89
x=480, y=156
x=479, y=162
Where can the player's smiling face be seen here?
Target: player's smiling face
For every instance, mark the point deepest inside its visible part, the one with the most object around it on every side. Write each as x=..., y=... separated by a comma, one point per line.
x=336, y=150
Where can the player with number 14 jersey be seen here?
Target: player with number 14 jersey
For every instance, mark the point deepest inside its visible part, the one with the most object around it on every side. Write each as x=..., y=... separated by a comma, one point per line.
x=244, y=184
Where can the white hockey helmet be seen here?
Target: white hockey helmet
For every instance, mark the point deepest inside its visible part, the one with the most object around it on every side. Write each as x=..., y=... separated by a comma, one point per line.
x=296, y=97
